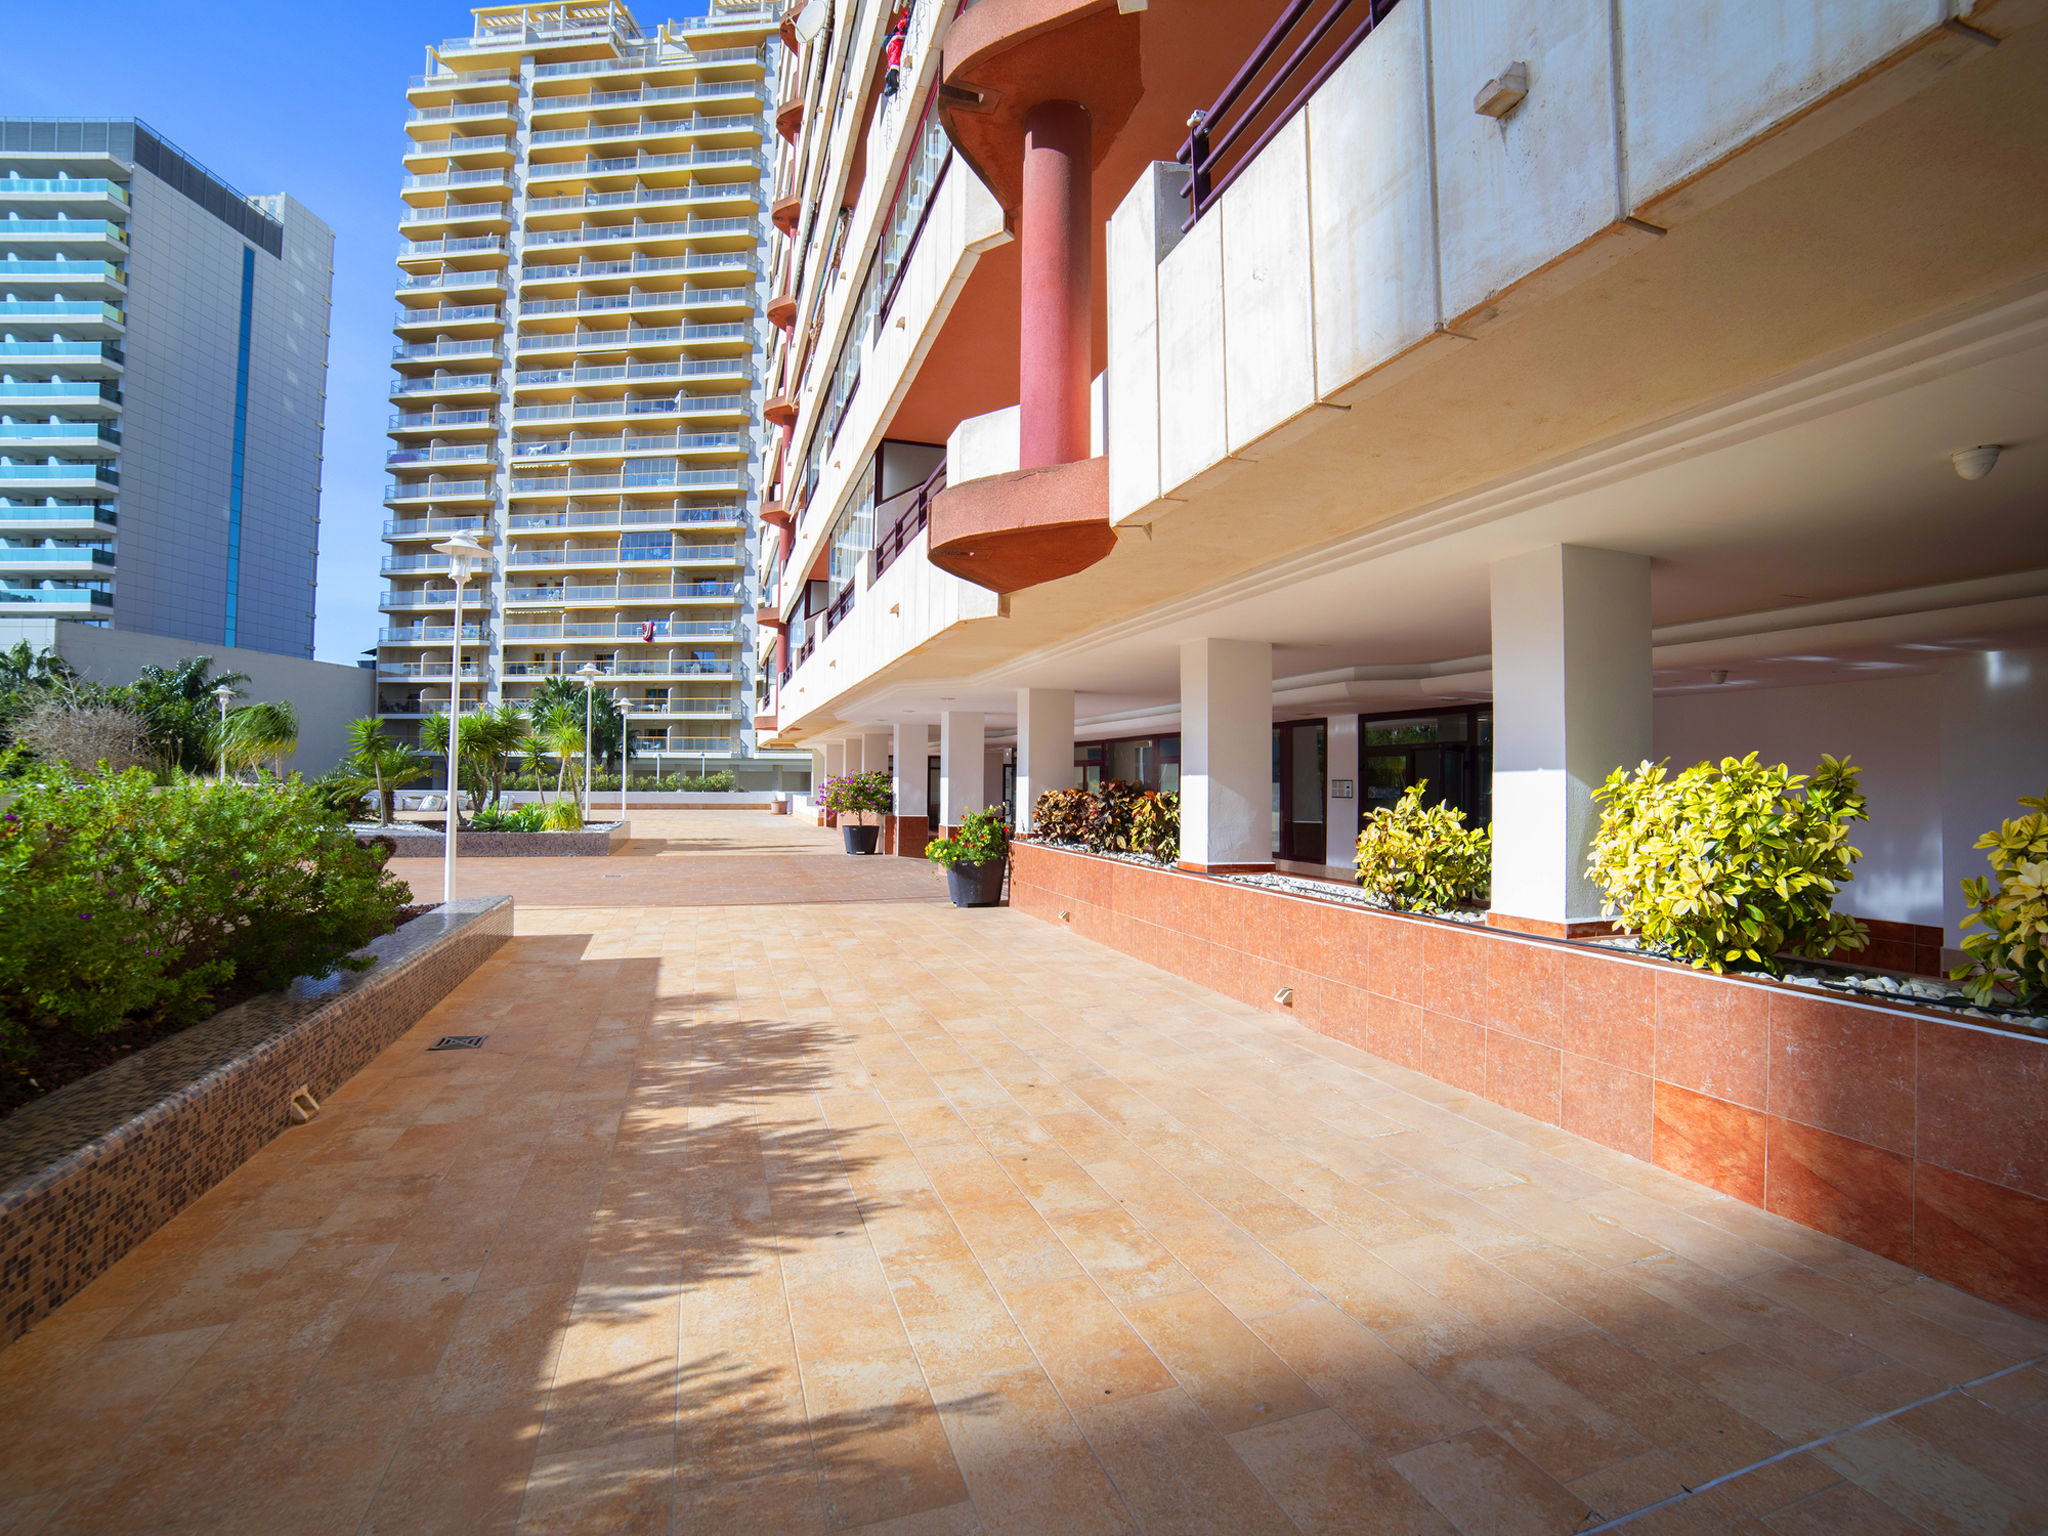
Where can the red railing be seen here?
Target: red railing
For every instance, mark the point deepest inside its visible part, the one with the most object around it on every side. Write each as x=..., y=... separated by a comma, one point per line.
x=907, y=512
x=1302, y=50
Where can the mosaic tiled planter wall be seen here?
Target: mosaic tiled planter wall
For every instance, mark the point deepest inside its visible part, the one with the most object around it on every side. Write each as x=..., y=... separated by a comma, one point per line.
x=599, y=841
x=1917, y=1137
x=93, y=1169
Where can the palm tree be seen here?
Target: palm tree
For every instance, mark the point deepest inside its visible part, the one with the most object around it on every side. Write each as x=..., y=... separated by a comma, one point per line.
x=181, y=708
x=490, y=738
x=382, y=761
x=254, y=732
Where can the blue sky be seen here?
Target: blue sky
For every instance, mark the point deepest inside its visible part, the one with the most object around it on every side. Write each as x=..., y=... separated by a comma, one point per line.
x=292, y=97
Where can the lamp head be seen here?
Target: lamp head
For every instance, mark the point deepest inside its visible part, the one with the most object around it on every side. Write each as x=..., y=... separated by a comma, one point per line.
x=589, y=673
x=463, y=552
x=224, y=692
x=1975, y=463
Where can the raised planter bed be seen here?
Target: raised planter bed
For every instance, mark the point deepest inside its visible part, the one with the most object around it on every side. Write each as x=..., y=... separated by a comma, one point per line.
x=1916, y=1133
x=418, y=840
x=91, y=1170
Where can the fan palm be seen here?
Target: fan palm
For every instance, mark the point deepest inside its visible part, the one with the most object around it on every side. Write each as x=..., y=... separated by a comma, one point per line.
x=490, y=739
x=254, y=733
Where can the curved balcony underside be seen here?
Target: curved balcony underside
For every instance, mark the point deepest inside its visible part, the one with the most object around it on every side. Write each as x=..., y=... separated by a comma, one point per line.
x=1024, y=528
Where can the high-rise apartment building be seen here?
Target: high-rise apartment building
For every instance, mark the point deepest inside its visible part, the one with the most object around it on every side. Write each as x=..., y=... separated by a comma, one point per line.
x=163, y=371
x=576, y=370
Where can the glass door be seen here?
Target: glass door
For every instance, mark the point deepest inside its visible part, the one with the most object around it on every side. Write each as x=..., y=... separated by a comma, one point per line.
x=1300, y=789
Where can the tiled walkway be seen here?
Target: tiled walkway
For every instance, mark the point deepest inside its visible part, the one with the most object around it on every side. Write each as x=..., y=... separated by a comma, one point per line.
x=784, y=1198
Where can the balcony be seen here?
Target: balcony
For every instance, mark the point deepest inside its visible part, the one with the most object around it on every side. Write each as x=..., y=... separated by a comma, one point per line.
x=692, y=159
x=101, y=439
x=74, y=517
x=464, y=316
x=77, y=319
x=88, y=197
x=669, y=298
x=628, y=517
x=436, y=351
x=60, y=602
x=723, y=479
x=465, y=112
x=400, y=492
x=740, y=261
x=633, y=337
x=463, y=247
x=615, y=447
x=434, y=181
x=429, y=527
x=459, y=148
x=431, y=597
x=443, y=421
x=73, y=359
x=642, y=234
x=602, y=410
x=75, y=238
x=413, y=564
x=446, y=453
x=74, y=479
x=76, y=562
x=576, y=378
x=590, y=597
x=442, y=282
x=74, y=397
x=456, y=213
x=426, y=669
x=718, y=670
x=547, y=106
x=445, y=384
x=681, y=554
x=644, y=197
x=432, y=634
x=713, y=631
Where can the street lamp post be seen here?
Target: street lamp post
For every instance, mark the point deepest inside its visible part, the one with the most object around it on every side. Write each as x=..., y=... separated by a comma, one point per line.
x=464, y=554
x=220, y=759
x=625, y=756
x=589, y=673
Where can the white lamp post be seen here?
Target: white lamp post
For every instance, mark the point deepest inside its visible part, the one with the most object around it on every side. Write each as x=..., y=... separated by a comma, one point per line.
x=464, y=554
x=625, y=753
x=223, y=693
x=589, y=673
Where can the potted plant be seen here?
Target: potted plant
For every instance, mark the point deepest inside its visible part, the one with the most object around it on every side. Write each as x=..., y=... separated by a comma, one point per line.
x=853, y=798
x=974, y=858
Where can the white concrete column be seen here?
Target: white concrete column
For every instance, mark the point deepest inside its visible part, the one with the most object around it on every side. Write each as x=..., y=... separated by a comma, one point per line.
x=875, y=750
x=833, y=759
x=1340, y=815
x=1045, y=746
x=1571, y=703
x=961, y=772
x=913, y=767
x=1226, y=752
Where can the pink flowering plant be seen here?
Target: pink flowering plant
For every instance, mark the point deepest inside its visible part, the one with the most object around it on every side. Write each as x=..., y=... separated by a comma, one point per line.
x=858, y=795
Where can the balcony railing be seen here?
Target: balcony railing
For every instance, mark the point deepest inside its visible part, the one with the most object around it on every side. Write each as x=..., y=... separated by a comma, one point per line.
x=1309, y=41
x=488, y=277
x=711, y=591
x=77, y=186
x=446, y=453
x=904, y=516
x=401, y=526
x=591, y=234
x=697, y=260
x=611, y=629
x=674, y=405
x=69, y=597
x=576, y=378
x=445, y=383
x=435, y=420
x=680, y=554
x=679, y=668
x=670, y=298
x=428, y=351
x=626, y=517
x=632, y=479
x=658, y=442
x=76, y=230
x=57, y=556
x=478, y=144
x=697, y=192
x=451, y=213
x=65, y=474
x=632, y=336
x=648, y=93
x=427, y=634
x=410, y=250
x=430, y=180
x=461, y=110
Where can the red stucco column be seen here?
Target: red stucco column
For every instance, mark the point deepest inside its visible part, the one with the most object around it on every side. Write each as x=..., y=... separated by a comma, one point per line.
x=1053, y=355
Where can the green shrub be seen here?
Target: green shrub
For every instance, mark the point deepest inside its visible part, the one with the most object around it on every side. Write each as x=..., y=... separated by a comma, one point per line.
x=859, y=794
x=983, y=838
x=1155, y=826
x=124, y=904
x=508, y=818
x=2012, y=949
x=1419, y=858
x=564, y=814
x=1729, y=866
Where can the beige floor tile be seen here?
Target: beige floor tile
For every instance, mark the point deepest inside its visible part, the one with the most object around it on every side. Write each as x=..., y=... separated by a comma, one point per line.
x=1083, y=1342
x=1330, y=1482
x=1482, y=1484
x=1025, y=1461
x=957, y=1324
x=880, y=1445
x=1175, y=1473
x=1230, y=1373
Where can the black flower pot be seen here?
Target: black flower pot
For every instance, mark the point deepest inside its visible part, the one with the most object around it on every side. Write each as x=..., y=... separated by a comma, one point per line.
x=976, y=885
x=860, y=839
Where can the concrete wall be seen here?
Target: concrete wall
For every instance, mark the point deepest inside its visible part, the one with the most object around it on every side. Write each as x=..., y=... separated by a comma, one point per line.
x=1390, y=210
x=327, y=696
x=1994, y=748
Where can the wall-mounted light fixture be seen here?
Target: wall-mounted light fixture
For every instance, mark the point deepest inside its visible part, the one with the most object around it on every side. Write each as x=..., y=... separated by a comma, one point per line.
x=1504, y=92
x=1975, y=463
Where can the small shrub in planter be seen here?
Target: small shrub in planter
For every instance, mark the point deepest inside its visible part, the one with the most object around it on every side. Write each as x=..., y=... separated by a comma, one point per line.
x=974, y=857
x=1728, y=866
x=1155, y=825
x=1419, y=858
x=1061, y=816
x=509, y=818
x=565, y=814
x=124, y=904
x=852, y=798
x=1116, y=817
x=2011, y=950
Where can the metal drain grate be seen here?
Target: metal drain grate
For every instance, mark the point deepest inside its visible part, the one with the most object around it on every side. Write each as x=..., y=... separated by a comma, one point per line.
x=457, y=1043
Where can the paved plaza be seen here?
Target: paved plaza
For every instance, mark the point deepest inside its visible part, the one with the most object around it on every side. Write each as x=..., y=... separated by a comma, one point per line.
x=784, y=1198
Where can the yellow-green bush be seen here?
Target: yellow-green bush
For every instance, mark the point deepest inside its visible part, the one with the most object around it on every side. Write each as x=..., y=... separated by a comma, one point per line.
x=2012, y=948
x=1728, y=866
x=1424, y=858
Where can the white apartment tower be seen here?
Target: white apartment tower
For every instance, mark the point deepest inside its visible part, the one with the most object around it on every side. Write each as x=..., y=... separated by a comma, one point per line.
x=575, y=376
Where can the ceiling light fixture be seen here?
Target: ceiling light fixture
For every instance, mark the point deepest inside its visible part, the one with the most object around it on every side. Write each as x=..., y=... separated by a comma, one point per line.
x=1975, y=463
